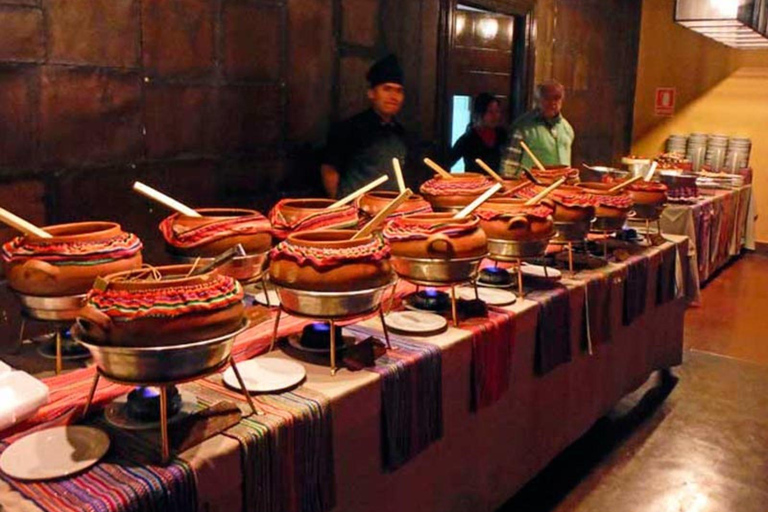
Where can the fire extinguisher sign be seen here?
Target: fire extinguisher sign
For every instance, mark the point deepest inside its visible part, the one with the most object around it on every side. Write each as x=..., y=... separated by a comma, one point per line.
x=665, y=101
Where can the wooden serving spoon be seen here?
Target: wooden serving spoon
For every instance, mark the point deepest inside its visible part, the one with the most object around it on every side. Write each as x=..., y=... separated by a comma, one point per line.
x=536, y=161
x=490, y=171
x=398, y=174
x=477, y=202
x=22, y=225
x=357, y=193
x=165, y=200
x=383, y=214
x=439, y=170
x=624, y=184
x=544, y=193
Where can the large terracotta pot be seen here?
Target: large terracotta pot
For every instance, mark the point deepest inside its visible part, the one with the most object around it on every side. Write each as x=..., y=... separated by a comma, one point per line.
x=571, y=204
x=436, y=235
x=160, y=307
x=217, y=230
x=552, y=173
x=330, y=261
x=455, y=192
x=510, y=219
x=609, y=204
x=294, y=215
x=648, y=193
x=68, y=263
x=373, y=202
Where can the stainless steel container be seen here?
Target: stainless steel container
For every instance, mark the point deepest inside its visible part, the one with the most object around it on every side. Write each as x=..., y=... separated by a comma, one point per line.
x=608, y=224
x=431, y=271
x=160, y=365
x=596, y=173
x=506, y=250
x=572, y=231
x=52, y=309
x=330, y=304
x=245, y=269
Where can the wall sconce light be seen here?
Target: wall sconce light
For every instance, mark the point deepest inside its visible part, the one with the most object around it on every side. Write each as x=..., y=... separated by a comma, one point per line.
x=741, y=24
x=488, y=28
x=461, y=23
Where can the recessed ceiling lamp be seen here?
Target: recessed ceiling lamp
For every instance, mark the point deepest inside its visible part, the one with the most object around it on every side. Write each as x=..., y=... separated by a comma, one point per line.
x=741, y=24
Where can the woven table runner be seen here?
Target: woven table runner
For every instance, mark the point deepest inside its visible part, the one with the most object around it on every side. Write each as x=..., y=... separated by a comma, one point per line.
x=411, y=398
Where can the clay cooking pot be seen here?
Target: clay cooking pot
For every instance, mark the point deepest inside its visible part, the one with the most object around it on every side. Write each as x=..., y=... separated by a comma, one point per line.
x=510, y=219
x=436, y=235
x=329, y=260
x=136, y=309
x=59, y=266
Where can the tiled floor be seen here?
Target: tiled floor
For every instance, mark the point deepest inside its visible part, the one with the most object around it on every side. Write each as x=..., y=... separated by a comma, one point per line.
x=696, y=445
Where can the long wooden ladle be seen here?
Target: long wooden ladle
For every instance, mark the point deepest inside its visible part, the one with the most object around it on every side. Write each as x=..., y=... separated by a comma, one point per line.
x=477, y=202
x=544, y=193
x=439, y=170
x=383, y=214
x=22, y=225
x=357, y=193
x=490, y=171
x=624, y=184
x=398, y=174
x=536, y=161
x=165, y=200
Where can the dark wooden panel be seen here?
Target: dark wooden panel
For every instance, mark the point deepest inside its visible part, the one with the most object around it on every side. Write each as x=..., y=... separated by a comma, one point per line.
x=248, y=118
x=19, y=108
x=177, y=37
x=90, y=116
x=175, y=117
x=21, y=34
x=309, y=70
x=98, y=32
x=360, y=22
x=252, y=41
x=352, y=85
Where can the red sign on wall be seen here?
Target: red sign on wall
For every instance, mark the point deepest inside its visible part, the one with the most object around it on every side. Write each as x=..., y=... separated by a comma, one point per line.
x=665, y=101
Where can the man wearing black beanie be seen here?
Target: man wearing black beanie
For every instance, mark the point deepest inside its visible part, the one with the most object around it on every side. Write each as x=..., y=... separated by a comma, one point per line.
x=361, y=149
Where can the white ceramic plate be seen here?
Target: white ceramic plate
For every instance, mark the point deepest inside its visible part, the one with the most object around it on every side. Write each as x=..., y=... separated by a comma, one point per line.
x=116, y=415
x=54, y=453
x=416, y=322
x=491, y=296
x=266, y=374
x=537, y=271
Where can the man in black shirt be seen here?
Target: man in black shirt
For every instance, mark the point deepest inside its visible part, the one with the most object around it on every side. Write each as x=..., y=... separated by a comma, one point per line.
x=361, y=149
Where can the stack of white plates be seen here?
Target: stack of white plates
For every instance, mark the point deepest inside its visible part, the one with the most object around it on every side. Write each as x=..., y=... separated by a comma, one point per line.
x=677, y=144
x=697, y=149
x=716, y=149
x=737, y=156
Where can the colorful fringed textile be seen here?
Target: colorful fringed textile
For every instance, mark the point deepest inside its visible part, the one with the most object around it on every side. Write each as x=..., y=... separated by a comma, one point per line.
x=337, y=218
x=635, y=288
x=219, y=292
x=286, y=454
x=125, y=481
x=599, y=297
x=402, y=229
x=185, y=238
x=553, y=328
x=492, y=343
x=124, y=245
x=411, y=399
x=666, y=285
x=329, y=256
x=538, y=211
x=460, y=186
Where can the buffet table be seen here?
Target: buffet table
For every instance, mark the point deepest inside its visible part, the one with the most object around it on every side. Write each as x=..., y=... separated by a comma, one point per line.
x=719, y=226
x=376, y=443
